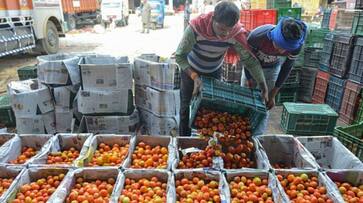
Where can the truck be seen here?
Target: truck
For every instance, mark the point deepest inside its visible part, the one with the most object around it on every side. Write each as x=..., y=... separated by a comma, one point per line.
x=115, y=11
x=28, y=24
x=80, y=12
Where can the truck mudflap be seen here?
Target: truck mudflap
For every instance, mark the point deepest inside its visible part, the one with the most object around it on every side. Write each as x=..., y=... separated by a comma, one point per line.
x=16, y=35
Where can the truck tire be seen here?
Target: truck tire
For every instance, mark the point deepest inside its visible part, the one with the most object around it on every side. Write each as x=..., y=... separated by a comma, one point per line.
x=50, y=43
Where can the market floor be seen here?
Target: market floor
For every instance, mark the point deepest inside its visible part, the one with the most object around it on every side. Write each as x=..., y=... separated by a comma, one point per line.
x=119, y=41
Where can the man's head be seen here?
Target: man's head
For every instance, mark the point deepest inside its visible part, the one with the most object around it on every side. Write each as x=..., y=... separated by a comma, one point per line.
x=289, y=34
x=226, y=15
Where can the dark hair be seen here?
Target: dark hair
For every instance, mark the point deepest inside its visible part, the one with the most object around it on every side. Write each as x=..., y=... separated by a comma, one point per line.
x=226, y=13
x=291, y=29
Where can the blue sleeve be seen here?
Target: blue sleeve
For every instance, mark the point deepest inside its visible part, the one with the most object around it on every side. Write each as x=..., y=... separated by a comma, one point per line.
x=284, y=72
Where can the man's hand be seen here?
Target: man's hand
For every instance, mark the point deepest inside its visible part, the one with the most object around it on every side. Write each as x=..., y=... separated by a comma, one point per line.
x=197, y=86
x=264, y=92
x=272, y=96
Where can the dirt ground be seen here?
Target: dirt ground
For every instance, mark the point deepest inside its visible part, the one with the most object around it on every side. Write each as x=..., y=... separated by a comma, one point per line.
x=119, y=41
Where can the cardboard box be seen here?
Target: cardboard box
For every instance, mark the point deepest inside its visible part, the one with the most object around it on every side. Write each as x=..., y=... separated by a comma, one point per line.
x=92, y=102
x=155, y=125
x=106, y=73
x=29, y=98
x=37, y=124
x=161, y=103
x=63, y=119
x=58, y=69
x=64, y=96
x=159, y=75
x=110, y=124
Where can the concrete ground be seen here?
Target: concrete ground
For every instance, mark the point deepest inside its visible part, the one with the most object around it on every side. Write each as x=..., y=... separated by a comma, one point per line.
x=119, y=41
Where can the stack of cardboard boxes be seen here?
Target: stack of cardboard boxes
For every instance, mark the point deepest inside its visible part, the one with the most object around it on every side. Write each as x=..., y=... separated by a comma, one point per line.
x=157, y=95
x=105, y=98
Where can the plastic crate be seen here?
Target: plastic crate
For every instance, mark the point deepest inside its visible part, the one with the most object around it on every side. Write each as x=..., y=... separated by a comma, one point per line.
x=278, y=4
x=28, y=72
x=326, y=52
x=335, y=92
x=231, y=98
x=312, y=57
x=315, y=38
x=326, y=18
x=7, y=116
x=357, y=27
x=359, y=116
x=359, y=4
x=232, y=73
x=308, y=119
x=351, y=98
x=356, y=66
x=293, y=79
x=320, y=88
x=344, y=19
x=307, y=82
x=341, y=56
x=289, y=12
x=286, y=95
x=255, y=17
x=351, y=137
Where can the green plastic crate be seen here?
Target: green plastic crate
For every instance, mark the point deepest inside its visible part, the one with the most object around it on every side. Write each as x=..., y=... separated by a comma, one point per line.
x=357, y=27
x=315, y=37
x=351, y=137
x=308, y=119
x=359, y=116
x=289, y=12
x=28, y=72
x=231, y=98
x=7, y=116
x=286, y=95
x=293, y=80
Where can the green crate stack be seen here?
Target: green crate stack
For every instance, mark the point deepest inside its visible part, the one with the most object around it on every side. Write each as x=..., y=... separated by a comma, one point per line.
x=289, y=12
x=308, y=119
x=286, y=95
x=271, y=4
x=28, y=72
x=7, y=116
x=357, y=27
x=351, y=137
x=227, y=97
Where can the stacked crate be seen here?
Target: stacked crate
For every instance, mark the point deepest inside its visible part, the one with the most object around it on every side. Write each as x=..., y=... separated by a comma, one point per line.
x=289, y=90
x=320, y=88
x=326, y=18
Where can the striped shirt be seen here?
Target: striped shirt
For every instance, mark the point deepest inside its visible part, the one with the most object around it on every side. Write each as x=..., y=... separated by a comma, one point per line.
x=207, y=56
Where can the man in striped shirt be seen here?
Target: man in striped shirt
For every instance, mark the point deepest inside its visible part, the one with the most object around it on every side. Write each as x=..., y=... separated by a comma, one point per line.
x=202, y=50
x=269, y=43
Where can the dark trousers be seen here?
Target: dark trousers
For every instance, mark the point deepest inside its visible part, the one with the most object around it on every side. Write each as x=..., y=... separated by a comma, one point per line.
x=186, y=91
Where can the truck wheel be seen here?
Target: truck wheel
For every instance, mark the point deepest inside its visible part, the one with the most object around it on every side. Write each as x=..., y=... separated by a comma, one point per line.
x=50, y=43
x=71, y=23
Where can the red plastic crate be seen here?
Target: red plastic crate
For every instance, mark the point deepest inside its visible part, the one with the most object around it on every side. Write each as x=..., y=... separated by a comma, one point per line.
x=333, y=19
x=255, y=17
x=350, y=102
x=321, y=86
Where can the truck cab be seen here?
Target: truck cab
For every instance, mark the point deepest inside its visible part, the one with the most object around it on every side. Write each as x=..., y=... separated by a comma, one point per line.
x=157, y=13
x=115, y=11
x=27, y=24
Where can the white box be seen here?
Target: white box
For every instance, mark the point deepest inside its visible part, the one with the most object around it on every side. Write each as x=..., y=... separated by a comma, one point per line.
x=64, y=96
x=159, y=75
x=106, y=73
x=29, y=98
x=58, y=69
x=157, y=125
x=37, y=124
x=161, y=103
x=111, y=124
x=63, y=119
x=91, y=102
